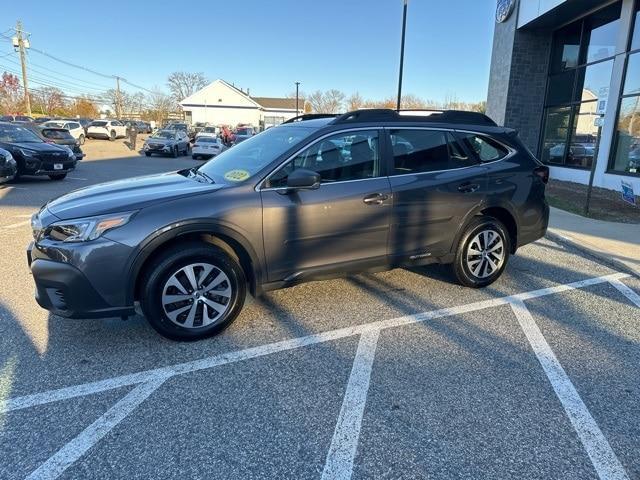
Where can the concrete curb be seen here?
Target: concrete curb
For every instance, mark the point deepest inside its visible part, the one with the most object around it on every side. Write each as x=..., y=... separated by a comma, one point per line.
x=595, y=254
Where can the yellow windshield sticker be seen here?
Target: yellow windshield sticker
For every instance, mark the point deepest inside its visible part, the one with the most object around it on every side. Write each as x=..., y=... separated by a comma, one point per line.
x=236, y=175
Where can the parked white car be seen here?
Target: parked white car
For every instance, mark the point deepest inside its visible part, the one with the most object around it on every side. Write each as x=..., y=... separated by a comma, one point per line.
x=208, y=132
x=108, y=129
x=206, y=147
x=75, y=129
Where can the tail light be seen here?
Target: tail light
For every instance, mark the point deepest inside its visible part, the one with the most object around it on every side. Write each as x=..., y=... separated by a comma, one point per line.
x=543, y=172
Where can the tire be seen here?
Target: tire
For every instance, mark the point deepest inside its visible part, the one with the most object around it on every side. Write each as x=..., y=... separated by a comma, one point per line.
x=81, y=139
x=112, y=136
x=483, y=269
x=195, y=157
x=58, y=176
x=148, y=154
x=174, y=152
x=159, y=288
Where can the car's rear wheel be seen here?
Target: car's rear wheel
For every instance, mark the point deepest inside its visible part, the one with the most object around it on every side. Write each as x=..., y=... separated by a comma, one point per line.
x=58, y=176
x=482, y=253
x=192, y=291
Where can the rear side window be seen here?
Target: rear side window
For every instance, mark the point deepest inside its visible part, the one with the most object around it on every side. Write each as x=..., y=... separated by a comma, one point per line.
x=487, y=149
x=419, y=151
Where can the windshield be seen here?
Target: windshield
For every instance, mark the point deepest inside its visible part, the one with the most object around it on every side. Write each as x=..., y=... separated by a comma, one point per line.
x=98, y=124
x=54, y=124
x=163, y=134
x=15, y=134
x=244, y=160
x=57, y=134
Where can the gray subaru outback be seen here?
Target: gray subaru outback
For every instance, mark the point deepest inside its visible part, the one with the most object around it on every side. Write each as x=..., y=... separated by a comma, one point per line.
x=317, y=197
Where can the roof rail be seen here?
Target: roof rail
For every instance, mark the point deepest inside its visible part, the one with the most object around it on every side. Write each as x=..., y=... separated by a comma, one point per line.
x=310, y=116
x=439, y=116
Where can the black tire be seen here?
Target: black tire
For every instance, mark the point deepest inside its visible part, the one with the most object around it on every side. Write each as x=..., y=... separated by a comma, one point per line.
x=148, y=154
x=195, y=157
x=112, y=135
x=81, y=139
x=461, y=265
x=58, y=176
x=170, y=262
x=174, y=152
x=186, y=149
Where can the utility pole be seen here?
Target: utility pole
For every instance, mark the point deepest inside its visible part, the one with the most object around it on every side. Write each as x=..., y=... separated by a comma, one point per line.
x=297, y=85
x=404, y=28
x=21, y=48
x=118, y=102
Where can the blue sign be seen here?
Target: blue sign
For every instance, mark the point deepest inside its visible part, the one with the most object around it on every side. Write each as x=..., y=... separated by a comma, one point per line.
x=627, y=193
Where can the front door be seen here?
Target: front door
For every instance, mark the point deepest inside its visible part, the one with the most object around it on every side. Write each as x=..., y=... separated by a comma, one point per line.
x=343, y=222
x=435, y=184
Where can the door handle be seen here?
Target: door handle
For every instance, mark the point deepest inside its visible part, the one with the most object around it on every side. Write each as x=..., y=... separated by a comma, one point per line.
x=468, y=187
x=375, y=198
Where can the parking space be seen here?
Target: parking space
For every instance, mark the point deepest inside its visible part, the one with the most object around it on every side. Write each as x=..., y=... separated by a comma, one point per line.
x=402, y=374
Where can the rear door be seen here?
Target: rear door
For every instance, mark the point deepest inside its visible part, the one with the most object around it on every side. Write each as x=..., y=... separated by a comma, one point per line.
x=435, y=183
x=344, y=222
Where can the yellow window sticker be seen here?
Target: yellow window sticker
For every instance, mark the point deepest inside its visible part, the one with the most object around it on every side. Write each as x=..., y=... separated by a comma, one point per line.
x=236, y=175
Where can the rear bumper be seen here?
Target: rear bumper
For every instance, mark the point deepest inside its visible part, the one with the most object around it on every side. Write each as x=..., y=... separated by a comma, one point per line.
x=65, y=291
x=532, y=235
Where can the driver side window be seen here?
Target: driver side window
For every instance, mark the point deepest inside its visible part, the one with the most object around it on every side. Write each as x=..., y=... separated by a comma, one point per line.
x=339, y=158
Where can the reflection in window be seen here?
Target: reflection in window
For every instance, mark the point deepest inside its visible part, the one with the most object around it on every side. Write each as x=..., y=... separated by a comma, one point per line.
x=635, y=42
x=566, y=47
x=560, y=88
x=632, y=81
x=556, y=133
x=601, y=33
x=583, y=137
x=592, y=79
x=627, y=148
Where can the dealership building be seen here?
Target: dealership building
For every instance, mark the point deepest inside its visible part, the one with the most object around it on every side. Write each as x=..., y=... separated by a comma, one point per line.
x=566, y=75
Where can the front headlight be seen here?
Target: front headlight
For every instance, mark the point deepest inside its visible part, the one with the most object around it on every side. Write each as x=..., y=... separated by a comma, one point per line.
x=27, y=153
x=86, y=229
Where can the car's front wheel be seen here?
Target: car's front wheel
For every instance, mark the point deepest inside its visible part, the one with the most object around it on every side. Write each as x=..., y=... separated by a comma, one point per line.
x=192, y=291
x=58, y=176
x=482, y=253
x=174, y=152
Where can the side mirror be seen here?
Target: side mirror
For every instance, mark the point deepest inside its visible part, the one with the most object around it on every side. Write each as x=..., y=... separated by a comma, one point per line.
x=303, y=179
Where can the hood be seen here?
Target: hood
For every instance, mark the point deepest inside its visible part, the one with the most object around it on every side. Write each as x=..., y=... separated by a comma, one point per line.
x=125, y=195
x=160, y=141
x=35, y=147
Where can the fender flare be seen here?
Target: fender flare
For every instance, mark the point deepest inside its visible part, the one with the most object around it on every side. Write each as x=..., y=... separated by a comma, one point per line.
x=170, y=232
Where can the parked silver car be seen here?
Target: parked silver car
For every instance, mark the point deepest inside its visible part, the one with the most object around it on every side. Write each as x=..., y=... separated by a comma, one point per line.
x=167, y=142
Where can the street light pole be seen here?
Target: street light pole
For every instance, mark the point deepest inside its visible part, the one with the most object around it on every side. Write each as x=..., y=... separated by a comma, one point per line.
x=404, y=28
x=297, y=86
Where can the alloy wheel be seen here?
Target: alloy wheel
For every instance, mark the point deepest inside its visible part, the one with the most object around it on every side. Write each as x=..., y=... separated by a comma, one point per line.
x=485, y=254
x=196, y=295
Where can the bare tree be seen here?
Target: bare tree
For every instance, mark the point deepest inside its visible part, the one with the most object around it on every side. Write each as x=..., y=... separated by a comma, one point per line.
x=50, y=100
x=326, y=102
x=184, y=84
x=11, y=100
x=160, y=105
x=355, y=101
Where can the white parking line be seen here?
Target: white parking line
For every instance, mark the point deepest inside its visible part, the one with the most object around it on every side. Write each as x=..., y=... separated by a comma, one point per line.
x=81, y=390
x=78, y=178
x=342, y=452
x=626, y=291
x=72, y=451
x=602, y=456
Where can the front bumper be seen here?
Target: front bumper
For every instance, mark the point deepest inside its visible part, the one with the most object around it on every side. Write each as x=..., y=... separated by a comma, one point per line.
x=65, y=291
x=7, y=174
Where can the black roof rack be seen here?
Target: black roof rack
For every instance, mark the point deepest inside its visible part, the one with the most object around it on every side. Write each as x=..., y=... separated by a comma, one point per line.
x=438, y=116
x=310, y=116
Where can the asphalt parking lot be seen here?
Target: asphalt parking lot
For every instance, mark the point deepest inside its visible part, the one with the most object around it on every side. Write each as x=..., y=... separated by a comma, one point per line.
x=401, y=374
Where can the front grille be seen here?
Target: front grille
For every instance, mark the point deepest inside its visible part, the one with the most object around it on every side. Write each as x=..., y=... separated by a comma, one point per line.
x=155, y=146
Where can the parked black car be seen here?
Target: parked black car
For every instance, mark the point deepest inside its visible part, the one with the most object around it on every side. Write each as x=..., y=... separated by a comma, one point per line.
x=33, y=155
x=309, y=199
x=8, y=166
x=61, y=136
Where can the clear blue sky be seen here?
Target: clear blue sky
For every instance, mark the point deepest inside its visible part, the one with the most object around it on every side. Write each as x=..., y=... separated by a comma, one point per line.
x=265, y=45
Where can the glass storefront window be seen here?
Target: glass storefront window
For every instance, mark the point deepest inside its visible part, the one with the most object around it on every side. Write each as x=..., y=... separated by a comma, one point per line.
x=592, y=79
x=583, y=136
x=632, y=82
x=627, y=149
x=560, y=89
x=601, y=33
x=556, y=133
x=566, y=47
x=635, y=40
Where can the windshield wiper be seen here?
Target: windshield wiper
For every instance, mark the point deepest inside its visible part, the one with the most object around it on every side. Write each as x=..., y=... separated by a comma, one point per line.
x=198, y=173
